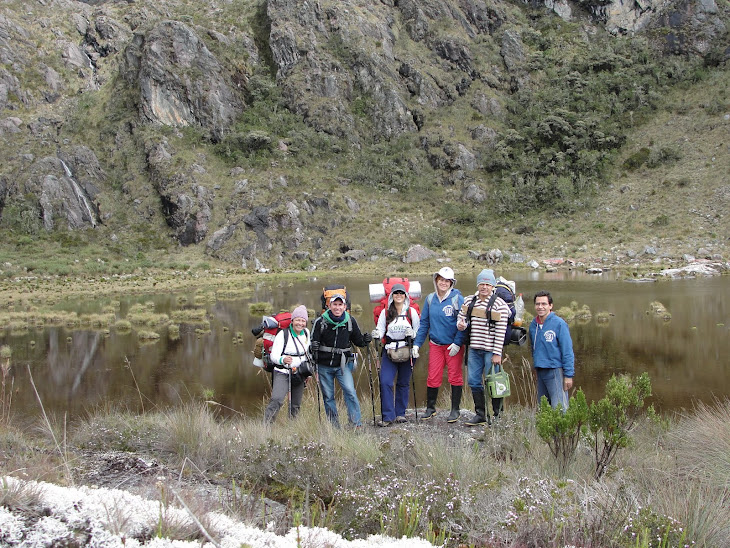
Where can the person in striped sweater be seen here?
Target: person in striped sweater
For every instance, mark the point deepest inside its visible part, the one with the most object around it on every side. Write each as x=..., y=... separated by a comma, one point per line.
x=485, y=315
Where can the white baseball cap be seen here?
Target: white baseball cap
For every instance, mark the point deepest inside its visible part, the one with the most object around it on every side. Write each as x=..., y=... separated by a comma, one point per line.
x=446, y=273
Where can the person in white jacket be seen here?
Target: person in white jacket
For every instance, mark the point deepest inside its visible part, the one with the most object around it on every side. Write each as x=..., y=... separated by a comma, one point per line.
x=289, y=352
x=397, y=326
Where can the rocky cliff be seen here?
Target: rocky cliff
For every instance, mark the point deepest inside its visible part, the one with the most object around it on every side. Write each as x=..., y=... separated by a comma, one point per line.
x=263, y=132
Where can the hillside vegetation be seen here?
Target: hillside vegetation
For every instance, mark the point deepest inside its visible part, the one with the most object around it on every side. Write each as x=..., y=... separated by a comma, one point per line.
x=274, y=135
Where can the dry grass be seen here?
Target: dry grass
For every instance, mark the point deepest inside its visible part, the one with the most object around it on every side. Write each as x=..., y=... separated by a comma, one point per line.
x=7, y=382
x=499, y=486
x=19, y=496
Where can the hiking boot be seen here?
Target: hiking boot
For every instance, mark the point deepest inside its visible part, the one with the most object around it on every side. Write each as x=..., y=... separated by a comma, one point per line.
x=401, y=420
x=479, y=407
x=455, y=404
x=385, y=424
x=431, y=395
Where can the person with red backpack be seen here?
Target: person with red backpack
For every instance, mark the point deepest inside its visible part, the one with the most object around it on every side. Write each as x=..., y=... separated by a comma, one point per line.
x=396, y=328
x=445, y=347
x=289, y=354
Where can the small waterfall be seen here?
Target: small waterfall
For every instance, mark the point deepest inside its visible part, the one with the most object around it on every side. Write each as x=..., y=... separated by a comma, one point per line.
x=79, y=193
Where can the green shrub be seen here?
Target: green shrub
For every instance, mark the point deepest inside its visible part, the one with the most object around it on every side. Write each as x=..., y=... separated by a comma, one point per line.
x=637, y=159
x=562, y=430
x=612, y=418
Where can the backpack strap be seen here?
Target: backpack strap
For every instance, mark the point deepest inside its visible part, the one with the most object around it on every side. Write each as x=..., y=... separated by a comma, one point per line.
x=490, y=304
x=470, y=308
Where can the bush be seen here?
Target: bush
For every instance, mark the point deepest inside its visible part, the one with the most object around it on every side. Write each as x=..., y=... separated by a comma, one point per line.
x=562, y=429
x=612, y=418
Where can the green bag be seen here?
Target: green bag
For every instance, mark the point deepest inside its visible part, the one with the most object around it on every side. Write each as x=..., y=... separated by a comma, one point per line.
x=498, y=383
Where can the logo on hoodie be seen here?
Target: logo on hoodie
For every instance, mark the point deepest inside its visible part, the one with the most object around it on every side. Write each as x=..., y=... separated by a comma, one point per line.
x=549, y=335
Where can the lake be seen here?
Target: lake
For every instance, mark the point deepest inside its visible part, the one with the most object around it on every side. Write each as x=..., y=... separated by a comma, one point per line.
x=76, y=370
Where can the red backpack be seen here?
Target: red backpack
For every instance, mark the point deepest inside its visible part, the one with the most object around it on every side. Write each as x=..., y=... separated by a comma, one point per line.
x=379, y=293
x=266, y=334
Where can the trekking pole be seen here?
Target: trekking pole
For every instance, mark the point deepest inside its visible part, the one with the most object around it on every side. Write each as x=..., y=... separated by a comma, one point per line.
x=310, y=359
x=290, y=402
x=370, y=377
x=409, y=341
x=377, y=369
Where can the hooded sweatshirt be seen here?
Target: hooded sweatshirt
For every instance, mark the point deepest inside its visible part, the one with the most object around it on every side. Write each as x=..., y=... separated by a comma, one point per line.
x=438, y=319
x=551, y=344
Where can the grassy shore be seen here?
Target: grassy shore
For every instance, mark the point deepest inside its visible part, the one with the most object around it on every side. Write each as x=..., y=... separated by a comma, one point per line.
x=464, y=487
x=448, y=484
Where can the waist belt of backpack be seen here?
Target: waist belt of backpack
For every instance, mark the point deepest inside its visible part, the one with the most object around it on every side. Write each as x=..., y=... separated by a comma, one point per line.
x=332, y=350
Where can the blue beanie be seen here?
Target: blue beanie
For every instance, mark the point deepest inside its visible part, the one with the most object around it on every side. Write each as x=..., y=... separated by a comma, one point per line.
x=486, y=276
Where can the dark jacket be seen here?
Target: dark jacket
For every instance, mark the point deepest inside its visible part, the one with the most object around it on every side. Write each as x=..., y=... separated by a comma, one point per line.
x=335, y=337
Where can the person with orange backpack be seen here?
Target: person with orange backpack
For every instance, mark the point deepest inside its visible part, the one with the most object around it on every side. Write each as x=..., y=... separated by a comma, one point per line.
x=396, y=328
x=333, y=335
x=445, y=347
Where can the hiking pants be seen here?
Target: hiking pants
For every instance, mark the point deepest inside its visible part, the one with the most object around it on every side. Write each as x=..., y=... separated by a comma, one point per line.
x=398, y=374
x=438, y=358
x=279, y=390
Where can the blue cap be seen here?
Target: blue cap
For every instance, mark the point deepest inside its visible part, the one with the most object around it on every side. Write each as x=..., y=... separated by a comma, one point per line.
x=486, y=276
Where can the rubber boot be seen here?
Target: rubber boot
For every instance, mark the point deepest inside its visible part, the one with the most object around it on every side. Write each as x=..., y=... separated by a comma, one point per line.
x=455, y=404
x=497, y=406
x=479, y=407
x=431, y=395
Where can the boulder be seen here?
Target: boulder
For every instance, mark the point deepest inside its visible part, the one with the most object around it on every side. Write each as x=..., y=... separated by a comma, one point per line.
x=418, y=253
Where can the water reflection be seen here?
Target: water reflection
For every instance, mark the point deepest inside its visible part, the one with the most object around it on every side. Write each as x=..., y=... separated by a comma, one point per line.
x=76, y=370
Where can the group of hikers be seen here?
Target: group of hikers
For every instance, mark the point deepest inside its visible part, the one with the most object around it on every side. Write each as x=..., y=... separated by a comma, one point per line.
x=451, y=322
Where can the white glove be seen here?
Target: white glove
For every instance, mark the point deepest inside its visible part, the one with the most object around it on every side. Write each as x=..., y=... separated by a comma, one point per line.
x=375, y=335
x=453, y=349
x=410, y=333
x=414, y=352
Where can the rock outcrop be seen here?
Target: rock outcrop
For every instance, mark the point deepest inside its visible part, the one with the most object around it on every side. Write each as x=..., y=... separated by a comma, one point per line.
x=180, y=82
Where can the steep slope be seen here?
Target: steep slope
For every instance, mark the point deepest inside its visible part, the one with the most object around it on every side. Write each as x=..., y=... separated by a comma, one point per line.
x=283, y=134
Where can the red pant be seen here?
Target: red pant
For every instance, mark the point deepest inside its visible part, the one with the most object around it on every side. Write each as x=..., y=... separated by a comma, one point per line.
x=438, y=357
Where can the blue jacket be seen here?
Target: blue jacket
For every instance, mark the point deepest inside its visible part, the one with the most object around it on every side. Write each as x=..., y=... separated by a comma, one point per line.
x=438, y=319
x=551, y=344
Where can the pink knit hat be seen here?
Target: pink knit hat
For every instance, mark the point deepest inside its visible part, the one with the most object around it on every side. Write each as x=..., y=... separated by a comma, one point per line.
x=300, y=312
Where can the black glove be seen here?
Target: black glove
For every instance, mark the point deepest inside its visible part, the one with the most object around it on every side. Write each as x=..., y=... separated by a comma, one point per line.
x=315, y=346
x=367, y=338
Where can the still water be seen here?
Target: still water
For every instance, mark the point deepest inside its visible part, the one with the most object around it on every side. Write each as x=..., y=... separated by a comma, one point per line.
x=77, y=370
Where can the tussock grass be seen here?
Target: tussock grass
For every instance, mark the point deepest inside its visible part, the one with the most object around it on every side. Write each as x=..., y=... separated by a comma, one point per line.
x=20, y=496
x=123, y=325
x=189, y=315
x=260, y=308
x=143, y=314
x=233, y=294
x=191, y=434
x=496, y=487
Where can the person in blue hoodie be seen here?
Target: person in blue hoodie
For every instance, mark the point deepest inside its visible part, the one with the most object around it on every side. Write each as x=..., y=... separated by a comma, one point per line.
x=438, y=322
x=552, y=352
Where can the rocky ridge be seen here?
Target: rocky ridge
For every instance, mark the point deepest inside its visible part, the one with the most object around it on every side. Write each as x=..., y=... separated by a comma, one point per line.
x=182, y=78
